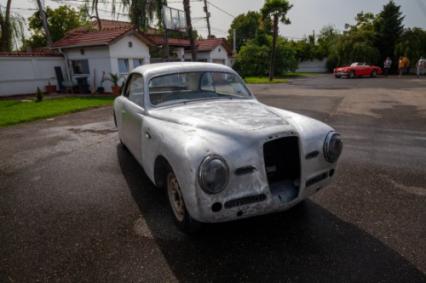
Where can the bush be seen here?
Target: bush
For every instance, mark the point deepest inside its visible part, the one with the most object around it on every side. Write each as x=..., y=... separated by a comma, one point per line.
x=39, y=95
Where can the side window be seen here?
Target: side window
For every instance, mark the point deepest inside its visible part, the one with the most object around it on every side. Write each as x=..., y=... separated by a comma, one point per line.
x=135, y=89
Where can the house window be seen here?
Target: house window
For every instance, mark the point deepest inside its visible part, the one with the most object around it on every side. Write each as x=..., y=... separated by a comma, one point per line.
x=80, y=67
x=123, y=65
x=137, y=62
x=130, y=44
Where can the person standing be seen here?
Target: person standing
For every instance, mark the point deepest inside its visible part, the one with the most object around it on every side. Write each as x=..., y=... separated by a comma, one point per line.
x=421, y=65
x=387, y=65
x=400, y=66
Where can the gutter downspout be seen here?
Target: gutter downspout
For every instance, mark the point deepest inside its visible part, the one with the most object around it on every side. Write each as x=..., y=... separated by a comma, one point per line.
x=67, y=72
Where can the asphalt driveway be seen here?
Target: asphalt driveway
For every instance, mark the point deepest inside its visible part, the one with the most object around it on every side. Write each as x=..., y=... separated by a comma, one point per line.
x=75, y=206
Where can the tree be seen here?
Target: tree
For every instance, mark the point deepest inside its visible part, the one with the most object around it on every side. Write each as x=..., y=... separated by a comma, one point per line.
x=142, y=12
x=249, y=65
x=388, y=27
x=187, y=9
x=277, y=9
x=59, y=21
x=247, y=26
x=412, y=44
x=6, y=29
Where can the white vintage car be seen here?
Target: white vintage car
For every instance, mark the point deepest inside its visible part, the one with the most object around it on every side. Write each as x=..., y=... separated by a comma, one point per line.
x=220, y=154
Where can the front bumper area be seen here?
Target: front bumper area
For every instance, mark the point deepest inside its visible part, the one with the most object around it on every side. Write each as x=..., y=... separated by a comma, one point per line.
x=264, y=201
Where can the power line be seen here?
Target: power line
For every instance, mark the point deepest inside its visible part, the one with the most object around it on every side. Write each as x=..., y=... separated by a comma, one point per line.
x=220, y=9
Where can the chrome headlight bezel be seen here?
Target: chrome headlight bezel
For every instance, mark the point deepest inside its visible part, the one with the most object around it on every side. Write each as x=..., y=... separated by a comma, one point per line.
x=333, y=147
x=202, y=173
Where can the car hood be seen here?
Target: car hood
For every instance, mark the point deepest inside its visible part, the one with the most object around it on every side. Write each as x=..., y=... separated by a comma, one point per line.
x=222, y=116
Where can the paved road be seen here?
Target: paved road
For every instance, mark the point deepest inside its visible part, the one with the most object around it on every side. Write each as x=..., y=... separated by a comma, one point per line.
x=75, y=206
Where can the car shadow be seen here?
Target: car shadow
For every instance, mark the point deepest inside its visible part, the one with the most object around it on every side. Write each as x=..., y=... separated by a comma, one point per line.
x=307, y=243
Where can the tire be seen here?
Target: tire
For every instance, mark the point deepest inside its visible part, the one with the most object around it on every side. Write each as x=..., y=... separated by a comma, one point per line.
x=352, y=75
x=183, y=220
x=337, y=76
x=373, y=74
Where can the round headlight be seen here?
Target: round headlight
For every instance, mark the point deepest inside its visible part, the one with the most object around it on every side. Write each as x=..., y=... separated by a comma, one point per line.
x=213, y=174
x=333, y=146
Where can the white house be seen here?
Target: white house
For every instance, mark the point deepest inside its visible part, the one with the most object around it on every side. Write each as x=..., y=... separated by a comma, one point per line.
x=93, y=54
x=214, y=50
x=87, y=56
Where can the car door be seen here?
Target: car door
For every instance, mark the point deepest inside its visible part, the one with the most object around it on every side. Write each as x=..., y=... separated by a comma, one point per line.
x=133, y=115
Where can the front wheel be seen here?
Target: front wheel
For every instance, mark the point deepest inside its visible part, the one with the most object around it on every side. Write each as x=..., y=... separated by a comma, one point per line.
x=373, y=74
x=352, y=74
x=182, y=218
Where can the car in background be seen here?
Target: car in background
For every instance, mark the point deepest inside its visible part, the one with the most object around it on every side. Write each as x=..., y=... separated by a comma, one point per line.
x=219, y=153
x=357, y=70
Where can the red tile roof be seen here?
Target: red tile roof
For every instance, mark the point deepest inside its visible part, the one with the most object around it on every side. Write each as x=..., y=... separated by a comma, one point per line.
x=49, y=53
x=112, y=30
x=89, y=37
x=211, y=43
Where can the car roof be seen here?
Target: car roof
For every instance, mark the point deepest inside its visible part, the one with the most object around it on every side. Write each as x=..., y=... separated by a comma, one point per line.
x=156, y=69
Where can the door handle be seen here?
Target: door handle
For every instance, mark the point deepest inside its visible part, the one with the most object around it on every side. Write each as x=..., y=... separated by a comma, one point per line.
x=147, y=135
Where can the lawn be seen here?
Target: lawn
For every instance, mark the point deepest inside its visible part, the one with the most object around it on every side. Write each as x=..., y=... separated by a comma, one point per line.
x=278, y=80
x=17, y=111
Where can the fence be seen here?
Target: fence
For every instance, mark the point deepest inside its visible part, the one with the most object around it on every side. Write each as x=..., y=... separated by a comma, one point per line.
x=22, y=73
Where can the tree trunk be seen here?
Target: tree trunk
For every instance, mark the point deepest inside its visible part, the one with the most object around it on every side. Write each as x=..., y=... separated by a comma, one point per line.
x=274, y=43
x=44, y=23
x=98, y=20
x=6, y=30
x=187, y=9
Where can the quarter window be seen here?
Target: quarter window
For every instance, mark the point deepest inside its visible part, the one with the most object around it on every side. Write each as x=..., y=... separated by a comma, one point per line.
x=135, y=89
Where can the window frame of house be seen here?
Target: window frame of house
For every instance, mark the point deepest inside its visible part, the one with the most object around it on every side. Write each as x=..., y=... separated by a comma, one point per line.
x=84, y=71
x=127, y=65
x=141, y=60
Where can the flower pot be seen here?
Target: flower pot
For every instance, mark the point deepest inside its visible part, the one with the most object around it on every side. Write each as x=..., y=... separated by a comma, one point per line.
x=50, y=89
x=115, y=90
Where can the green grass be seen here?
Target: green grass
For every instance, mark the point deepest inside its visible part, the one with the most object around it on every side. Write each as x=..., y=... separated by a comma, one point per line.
x=264, y=80
x=278, y=80
x=18, y=111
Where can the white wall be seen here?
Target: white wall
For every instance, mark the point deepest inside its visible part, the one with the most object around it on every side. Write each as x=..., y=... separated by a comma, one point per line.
x=314, y=66
x=99, y=62
x=121, y=49
x=22, y=75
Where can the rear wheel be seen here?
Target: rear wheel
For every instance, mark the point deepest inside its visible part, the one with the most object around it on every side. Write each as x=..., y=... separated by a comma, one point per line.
x=337, y=76
x=177, y=204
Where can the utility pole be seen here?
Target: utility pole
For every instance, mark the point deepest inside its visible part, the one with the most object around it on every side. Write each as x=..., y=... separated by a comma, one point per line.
x=44, y=22
x=187, y=9
x=206, y=10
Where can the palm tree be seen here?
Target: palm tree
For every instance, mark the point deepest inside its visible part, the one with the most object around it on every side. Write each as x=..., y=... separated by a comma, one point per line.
x=141, y=12
x=5, y=29
x=187, y=9
x=277, y=9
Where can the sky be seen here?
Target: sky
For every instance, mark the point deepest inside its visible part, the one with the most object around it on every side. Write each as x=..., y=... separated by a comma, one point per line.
x=306, y=15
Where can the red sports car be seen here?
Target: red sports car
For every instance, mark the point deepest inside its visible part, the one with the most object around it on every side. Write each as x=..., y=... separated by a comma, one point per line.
x=357, y=70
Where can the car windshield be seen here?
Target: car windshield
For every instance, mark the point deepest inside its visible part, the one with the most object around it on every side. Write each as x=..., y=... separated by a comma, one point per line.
x=192, y=86
x=358, y=64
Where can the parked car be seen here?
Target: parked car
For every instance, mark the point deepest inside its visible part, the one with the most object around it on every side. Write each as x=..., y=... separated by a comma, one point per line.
x=357, y=70
x=221, y=155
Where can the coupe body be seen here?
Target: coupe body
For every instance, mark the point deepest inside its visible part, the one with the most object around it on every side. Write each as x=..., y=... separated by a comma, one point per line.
x=357, y=70
x=219, y=153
